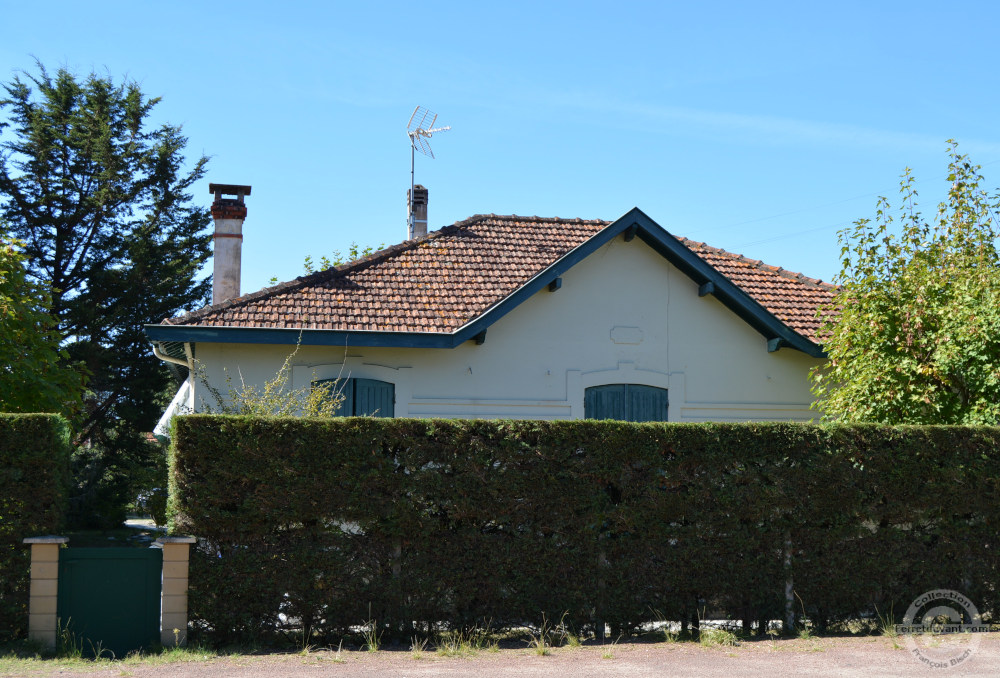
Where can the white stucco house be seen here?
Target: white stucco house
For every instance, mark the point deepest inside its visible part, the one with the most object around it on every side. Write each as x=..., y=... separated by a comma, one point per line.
x=519, y=317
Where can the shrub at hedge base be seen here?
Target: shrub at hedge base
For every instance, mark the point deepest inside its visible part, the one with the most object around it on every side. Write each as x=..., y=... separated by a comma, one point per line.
x=413, y=523
x=34, y=474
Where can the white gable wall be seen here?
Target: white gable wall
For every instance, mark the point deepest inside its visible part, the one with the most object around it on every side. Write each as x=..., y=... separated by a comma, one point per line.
x=623, y=315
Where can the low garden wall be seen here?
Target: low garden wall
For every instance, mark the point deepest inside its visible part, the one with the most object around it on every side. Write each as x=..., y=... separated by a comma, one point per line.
x=411, y=523
x=34, y=477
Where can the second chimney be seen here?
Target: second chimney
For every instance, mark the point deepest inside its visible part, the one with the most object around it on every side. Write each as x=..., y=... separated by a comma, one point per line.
x=418, y=211
x=229, y=214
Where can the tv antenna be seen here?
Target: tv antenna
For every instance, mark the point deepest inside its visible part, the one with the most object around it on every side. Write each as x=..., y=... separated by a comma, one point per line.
x=420, y=129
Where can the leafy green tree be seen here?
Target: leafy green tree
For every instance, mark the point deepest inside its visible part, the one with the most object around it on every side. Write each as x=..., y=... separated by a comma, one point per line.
x=276, y=398
x=34, y=376
x=99, y=197
x=336, y=259
x=916, y=335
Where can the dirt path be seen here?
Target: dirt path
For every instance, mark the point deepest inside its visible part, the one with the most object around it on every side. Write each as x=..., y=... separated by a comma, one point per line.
x=865, y=656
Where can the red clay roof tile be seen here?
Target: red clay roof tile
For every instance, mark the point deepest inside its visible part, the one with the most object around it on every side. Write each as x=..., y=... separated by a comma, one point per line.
x=791, y=297
x=450, y=277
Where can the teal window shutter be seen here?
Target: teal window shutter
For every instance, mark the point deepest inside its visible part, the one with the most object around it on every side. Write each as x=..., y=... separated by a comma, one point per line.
x=625, y=402
x=605, y=402
x=363, y=397
x=646, y=403
x=346, y=389
x=374, y=398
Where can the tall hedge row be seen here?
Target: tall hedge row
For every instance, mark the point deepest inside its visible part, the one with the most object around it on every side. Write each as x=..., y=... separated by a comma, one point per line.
x=34, y=477
x=330, y=523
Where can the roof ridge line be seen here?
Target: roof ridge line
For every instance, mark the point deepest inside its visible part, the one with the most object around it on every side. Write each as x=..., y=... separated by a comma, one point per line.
x=536, y=219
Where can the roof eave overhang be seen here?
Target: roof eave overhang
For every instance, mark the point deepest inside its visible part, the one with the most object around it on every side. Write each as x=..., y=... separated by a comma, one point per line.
x=777, y=334
x=292, y=336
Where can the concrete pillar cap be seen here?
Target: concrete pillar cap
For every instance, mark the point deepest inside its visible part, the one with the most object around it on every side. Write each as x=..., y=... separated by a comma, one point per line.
x=177, y=540
x=46, y=540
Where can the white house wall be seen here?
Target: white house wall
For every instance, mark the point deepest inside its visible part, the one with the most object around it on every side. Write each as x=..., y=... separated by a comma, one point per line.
x=623, y=315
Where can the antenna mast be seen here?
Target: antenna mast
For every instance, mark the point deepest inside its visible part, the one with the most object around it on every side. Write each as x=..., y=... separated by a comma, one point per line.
x=420, y=129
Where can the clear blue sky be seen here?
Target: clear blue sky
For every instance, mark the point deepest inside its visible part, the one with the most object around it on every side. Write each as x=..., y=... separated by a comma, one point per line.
x=761, y=127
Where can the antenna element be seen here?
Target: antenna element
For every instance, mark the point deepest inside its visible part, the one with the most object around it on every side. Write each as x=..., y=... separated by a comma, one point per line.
x=420, y=129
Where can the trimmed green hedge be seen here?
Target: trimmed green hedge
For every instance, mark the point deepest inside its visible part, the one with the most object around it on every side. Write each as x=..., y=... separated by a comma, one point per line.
x=334, y=522
x=34, y=477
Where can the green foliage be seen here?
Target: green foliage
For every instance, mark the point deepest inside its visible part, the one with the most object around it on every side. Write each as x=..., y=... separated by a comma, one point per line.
x=34, y=376
x=917, y=339
x=462, y=642
x=34, y=477
x=353, y=253
x=100, y=198
x=336, y=259
x=275, y=399
x=338, y=521
x=716, y=637
x=372, y=635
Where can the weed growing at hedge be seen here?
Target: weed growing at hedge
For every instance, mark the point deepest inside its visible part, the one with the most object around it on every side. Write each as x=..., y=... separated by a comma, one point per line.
x=715, y=637
x=457, y=643
x=886, y=623
x=452, y=644
x=372, y=636
x=417, y=647
x=542, y=642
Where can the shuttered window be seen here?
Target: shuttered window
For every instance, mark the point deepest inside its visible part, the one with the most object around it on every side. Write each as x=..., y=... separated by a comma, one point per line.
x=625, y=402
x=364, y=397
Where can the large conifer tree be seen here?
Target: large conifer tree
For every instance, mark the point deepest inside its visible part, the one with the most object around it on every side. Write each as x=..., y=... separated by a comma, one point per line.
x=99, y=197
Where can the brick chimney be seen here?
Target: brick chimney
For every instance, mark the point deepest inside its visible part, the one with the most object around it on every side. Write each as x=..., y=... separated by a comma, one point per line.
x=418, y=211
x=229, y=214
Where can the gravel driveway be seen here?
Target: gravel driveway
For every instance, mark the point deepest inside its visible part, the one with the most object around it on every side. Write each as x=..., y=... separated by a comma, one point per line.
x=856, y=656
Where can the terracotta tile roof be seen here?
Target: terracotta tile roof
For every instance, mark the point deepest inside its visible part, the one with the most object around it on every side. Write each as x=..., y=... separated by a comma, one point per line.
x=436, y=283
x=791, y=297
x=450, y=277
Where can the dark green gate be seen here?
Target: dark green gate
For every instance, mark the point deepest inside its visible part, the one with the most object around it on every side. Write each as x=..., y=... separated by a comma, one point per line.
x=109, y=598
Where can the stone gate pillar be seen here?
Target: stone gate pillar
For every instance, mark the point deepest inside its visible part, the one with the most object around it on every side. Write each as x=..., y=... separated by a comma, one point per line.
x=44, y=592
x=174, y=596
